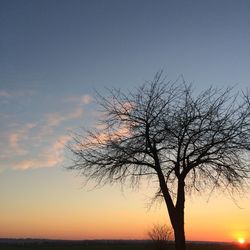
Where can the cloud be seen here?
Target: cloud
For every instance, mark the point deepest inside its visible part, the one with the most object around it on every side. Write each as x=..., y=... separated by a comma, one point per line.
x=25, y=164
x=27, y=145
x=38, y=144
x=55, y=119
x=6, y=97
x=15, y=138
x=52, y=157
x=4, y=93
x=84, y=99
x=101, y=136
x=17, y=93
x=52, y=121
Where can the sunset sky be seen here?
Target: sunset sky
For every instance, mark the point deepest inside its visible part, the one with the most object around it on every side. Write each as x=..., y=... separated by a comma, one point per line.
x=54, y=54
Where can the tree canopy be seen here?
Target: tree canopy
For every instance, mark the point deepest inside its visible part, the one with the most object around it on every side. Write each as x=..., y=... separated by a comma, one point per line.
x=167, y=131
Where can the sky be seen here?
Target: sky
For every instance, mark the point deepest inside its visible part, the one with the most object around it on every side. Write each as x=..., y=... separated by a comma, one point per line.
x=54, y=55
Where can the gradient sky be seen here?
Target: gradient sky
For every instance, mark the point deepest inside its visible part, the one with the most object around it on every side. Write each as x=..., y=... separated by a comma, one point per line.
x=53, y=55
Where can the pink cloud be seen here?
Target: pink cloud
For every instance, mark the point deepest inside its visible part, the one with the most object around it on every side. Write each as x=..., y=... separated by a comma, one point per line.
x=55, y=119
x=26, y=164
x=102, y=136
x=52, y=157
x=13, y=139
x=86, y=99
x=4, y=93
x=33, y=145
x=17, y=137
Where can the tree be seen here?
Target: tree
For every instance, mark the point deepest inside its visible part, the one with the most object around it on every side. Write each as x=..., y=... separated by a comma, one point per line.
x=166, y=132
x=161, y=235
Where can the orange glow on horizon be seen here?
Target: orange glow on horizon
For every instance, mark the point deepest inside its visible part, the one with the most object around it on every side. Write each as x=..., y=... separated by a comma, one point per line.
x=106, y=214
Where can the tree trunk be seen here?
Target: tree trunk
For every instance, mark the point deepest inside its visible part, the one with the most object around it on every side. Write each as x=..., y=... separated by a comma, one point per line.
x=178, y=222
x=179, y=233
x=176, y=213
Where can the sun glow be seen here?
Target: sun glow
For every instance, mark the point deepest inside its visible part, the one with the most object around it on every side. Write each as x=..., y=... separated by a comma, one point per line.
x=241, y=241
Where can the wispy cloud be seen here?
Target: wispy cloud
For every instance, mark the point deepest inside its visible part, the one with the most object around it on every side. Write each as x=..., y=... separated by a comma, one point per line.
x=39, y=144
x=52, y=157
x=16, y=138
x=14, y=142
x=4, y=93
x=55, y=119
x=16, y=93
x=84, y=99
x=8, y=96
x=101, y=135
x=29, y=143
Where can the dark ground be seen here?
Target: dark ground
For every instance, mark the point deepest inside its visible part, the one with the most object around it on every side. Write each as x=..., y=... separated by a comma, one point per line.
x=106, y=245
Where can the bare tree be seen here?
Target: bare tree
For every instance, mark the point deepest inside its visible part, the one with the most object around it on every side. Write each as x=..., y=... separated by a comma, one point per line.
x=161, y=235
x=164, y=131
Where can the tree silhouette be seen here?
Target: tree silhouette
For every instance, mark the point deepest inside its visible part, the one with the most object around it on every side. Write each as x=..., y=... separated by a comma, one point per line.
x=167, y=132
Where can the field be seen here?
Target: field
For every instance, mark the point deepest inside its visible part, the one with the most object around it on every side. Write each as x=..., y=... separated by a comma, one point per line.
x=111, y=246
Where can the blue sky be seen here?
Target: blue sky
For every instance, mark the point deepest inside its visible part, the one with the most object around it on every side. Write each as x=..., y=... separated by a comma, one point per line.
x=54, y=51
x=54, y=54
